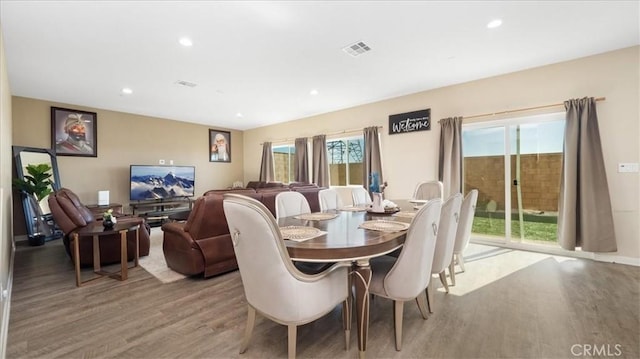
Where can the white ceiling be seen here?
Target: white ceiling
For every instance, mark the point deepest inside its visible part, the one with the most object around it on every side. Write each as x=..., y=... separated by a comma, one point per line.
x=262, y=58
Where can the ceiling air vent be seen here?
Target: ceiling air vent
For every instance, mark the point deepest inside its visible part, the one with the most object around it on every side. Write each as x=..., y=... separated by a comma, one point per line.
x=186, y=83
x=357, y=49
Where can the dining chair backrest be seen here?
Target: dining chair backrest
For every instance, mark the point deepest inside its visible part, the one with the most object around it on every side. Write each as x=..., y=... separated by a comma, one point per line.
x=428, y=190
x=446, y=233
x=360, y=196
x=411, y=272
x=329, y=199
x=272, y=284
x=291, y=203
x=467, y=212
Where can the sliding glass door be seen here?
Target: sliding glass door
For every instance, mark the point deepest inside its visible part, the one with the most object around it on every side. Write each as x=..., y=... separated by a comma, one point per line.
x=516, y=166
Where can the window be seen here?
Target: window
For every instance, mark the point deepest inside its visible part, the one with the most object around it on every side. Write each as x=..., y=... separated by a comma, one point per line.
x=345, y=161
x=283, y=157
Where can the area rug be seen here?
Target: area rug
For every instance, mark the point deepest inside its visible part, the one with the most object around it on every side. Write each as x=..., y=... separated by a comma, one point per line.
x=155, y=264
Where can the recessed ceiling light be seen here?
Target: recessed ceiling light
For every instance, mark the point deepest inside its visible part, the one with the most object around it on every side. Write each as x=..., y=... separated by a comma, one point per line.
x=494, y=23
x=186, y=42
x=238, y=115
x=127, y=91
x=313, y=92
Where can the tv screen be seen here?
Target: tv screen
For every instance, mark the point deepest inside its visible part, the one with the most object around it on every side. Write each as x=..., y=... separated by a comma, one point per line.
x=161, y=182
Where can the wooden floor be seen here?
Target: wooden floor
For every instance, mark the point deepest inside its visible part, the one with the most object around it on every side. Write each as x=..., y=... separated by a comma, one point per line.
x=508, y=304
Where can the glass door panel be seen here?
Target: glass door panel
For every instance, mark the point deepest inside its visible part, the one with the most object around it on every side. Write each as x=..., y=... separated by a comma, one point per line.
x=484, y=170
x=536, y=167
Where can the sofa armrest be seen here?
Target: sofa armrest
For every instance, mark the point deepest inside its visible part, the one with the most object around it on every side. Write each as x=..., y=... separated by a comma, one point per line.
x=176, y=237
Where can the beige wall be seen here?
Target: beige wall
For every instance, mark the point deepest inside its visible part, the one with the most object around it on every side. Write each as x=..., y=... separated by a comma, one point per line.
x=6, y=243
x=410, y=158
x=125, y=139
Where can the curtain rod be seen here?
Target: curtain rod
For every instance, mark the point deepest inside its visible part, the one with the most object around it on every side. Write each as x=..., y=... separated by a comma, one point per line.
x=353, y=130
x=521, y=110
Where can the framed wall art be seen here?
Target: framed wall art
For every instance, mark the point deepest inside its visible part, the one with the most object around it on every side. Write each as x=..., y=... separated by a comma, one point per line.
x=219, y=146
x=74, y=132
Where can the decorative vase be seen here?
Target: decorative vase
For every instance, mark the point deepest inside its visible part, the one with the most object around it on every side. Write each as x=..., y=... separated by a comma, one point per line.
x=40, y=230
x=107, y=223
x=377, y=204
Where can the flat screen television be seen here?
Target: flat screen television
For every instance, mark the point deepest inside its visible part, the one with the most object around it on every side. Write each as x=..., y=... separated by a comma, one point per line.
x=161, y=182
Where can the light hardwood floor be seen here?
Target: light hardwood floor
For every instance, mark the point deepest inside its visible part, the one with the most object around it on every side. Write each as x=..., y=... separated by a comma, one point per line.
x=508, y=304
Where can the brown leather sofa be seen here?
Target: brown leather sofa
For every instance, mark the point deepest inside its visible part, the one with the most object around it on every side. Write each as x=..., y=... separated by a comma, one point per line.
x=202, y=244
x=70, y=214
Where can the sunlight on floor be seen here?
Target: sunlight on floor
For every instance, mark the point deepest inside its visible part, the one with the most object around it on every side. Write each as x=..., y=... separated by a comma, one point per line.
x=495, y=263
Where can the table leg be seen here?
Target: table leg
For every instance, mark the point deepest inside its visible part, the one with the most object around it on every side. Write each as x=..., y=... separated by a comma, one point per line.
x=96, y=254
x=362, y=278
x=136, y=260
x=76, y=257
x=123, y=255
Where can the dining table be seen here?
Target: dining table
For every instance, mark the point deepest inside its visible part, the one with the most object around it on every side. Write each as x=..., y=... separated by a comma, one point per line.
x=355, y=235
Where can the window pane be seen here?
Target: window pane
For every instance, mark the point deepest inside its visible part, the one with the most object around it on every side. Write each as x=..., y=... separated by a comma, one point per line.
x=283, y=157
x=337, y=158
x=356, y=148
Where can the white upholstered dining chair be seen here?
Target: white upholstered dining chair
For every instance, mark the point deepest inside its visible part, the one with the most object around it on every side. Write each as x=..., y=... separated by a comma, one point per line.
x=273, y=287
x=463, y=233
x=291, y=203
x=407, y=277
x=329, y=199
x=428, y=190
x=444, y=242
x=360, y=196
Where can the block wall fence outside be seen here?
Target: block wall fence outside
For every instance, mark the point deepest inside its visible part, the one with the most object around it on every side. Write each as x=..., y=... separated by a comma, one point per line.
x=539, y=178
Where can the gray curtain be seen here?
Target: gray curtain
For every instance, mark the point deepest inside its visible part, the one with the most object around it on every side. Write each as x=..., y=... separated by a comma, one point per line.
x=372, y=161
x=266, y=166
x=585, y=218
x=450, y=161
x=320, y=163
x=301, y=161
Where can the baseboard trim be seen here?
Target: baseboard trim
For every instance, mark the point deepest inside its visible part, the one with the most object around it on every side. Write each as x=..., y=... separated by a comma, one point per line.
x=6, y=304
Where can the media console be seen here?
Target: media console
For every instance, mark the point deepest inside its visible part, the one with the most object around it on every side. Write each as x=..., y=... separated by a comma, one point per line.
x=156, y=212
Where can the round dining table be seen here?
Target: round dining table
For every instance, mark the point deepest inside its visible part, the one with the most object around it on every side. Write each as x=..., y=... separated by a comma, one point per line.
x=344, y=240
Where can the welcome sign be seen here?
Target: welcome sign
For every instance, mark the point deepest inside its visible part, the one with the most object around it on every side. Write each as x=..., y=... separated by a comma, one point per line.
x=410, y=122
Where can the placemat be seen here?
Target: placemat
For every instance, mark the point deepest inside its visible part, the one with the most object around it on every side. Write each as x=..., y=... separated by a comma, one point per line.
x=405, y=214
x=353, y=209
x=384, y=226
x=317, y=216
x=300, y=233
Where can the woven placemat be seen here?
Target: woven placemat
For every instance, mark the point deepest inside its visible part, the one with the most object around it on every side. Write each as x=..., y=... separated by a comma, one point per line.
x=353, y=208
x=318, y=216
x=300, y=233
x=384, y=226
x=405, y=214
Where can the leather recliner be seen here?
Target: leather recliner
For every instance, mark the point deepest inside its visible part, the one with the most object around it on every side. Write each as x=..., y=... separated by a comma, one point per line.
x=202, y=243
x=70, y=214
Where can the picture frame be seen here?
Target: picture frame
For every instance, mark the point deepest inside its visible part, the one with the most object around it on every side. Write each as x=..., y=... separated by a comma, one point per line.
x=219, y=146
x=74, y=132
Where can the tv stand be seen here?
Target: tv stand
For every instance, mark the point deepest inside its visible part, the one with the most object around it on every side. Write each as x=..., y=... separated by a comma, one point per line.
x=156, y=212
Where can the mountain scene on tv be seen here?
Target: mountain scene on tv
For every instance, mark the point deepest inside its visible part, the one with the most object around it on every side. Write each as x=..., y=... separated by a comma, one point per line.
x=151, y=183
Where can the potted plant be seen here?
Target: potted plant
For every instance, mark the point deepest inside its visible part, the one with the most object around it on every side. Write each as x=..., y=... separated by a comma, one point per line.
x=36, y=186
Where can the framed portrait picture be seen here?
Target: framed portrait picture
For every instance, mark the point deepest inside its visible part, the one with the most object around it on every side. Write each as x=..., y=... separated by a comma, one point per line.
x=219, y=146
x=74, y=132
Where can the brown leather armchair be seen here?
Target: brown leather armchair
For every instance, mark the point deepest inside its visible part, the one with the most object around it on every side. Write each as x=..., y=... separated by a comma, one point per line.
x=202, y=244
x=70, y=214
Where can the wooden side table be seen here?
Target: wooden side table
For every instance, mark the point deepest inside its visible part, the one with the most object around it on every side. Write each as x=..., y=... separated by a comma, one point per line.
x=96, y=230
